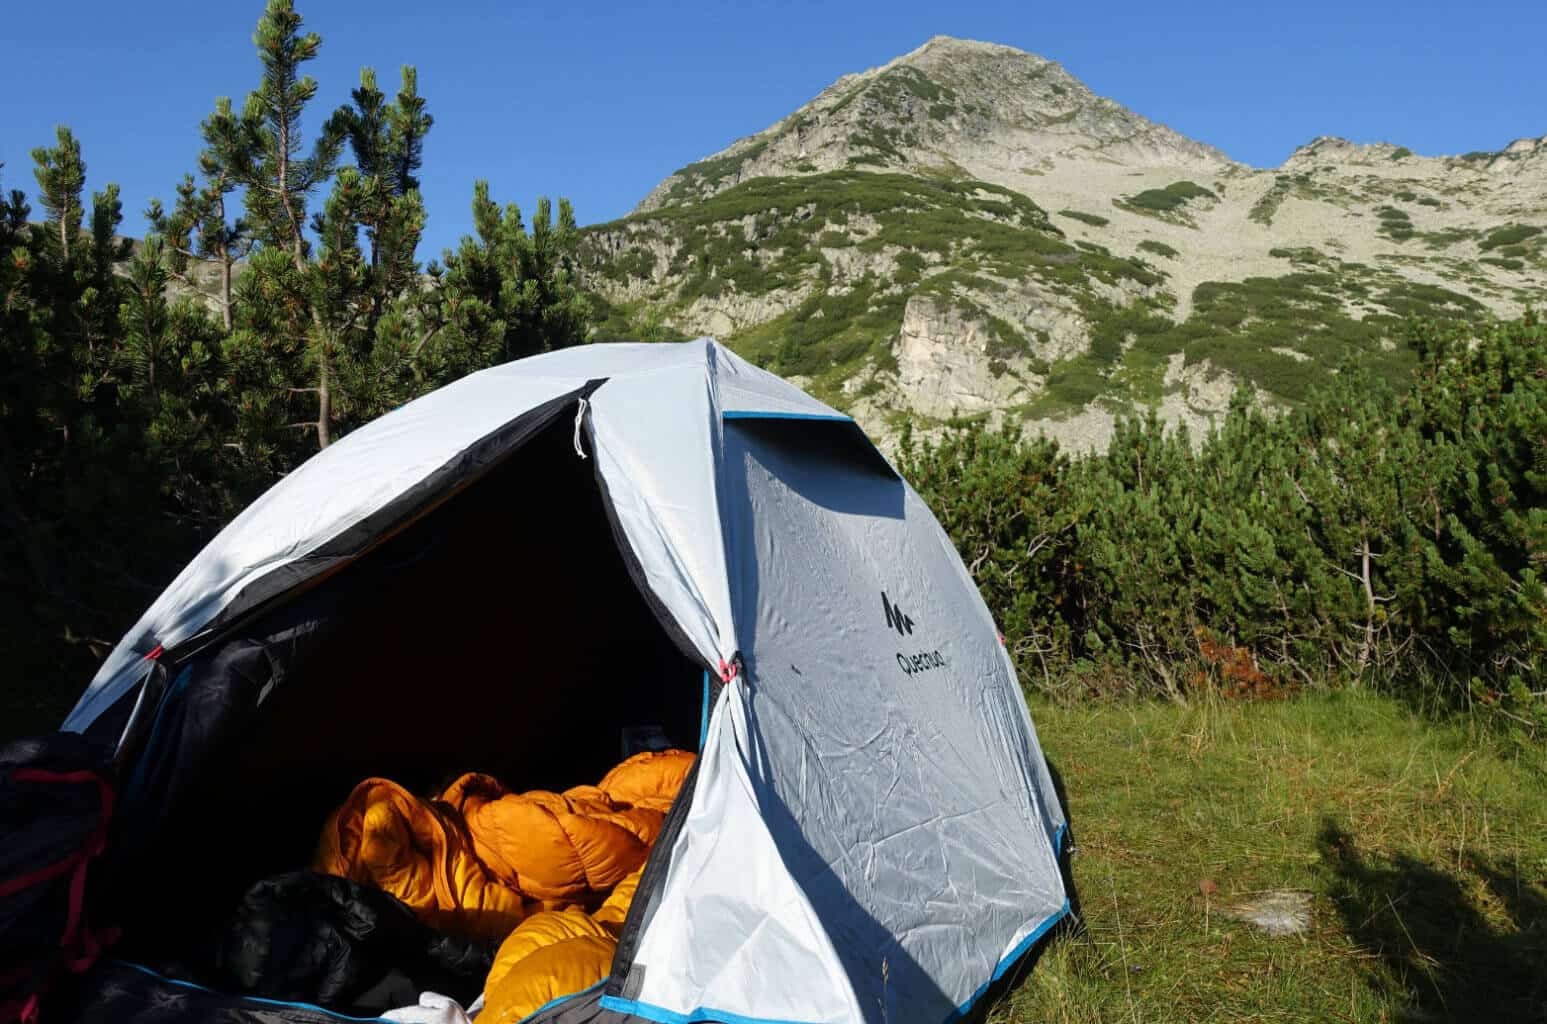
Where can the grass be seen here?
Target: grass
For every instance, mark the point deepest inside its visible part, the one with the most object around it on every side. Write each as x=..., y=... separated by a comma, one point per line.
x=1395, y=223
x=1301, y=254
x=1284, y=186
x=1421, y=846
x=1173, y=197
x=1159, y=248
x=1169, y=203
x=1445, y=239
x=1092, y=219
x=1510, y=234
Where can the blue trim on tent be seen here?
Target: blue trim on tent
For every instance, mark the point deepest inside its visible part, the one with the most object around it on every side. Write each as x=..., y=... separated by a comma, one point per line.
x=1003, y=967
x=661, y=1015
x=748, y=414
x=703, y=715
x=251, y=999
x=550, y=1004
x=649, y=1011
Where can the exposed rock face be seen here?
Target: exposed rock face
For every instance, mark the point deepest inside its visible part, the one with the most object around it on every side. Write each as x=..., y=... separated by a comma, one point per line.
x=980, y=233
x=943, y=362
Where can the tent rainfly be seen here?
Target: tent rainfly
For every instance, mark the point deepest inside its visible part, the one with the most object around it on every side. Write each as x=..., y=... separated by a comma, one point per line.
x=514, y=571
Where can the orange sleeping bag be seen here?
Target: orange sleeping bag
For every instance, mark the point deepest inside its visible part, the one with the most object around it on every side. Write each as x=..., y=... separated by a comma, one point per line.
x=568, y=847
x=480, y=860
x=554, y=953
x=385, y=836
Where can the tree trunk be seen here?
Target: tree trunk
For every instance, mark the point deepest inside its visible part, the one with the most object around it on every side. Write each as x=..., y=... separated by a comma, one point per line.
x=297, y=249
x=324, y=403
x=225, y=287
x=1369, y=600
x=298, y=256
x=64, y=233
x=224, y=253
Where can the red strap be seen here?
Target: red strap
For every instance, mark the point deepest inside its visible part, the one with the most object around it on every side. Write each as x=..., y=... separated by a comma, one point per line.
x=93, y=845
x=50, y=777
x=90, y=943
x=15, y=885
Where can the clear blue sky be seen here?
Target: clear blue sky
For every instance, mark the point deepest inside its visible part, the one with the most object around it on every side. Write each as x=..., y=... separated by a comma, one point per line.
x=599, y=101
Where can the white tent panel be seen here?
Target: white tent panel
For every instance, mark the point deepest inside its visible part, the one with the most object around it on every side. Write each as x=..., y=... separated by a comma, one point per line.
x=733, y=935
x=656, y=435
x=743, y=388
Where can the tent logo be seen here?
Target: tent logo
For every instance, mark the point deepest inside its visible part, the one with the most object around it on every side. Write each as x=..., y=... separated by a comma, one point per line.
x=902, y=622
x=895, y=619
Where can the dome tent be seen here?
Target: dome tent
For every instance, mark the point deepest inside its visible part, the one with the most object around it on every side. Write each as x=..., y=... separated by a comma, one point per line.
x=514, y=571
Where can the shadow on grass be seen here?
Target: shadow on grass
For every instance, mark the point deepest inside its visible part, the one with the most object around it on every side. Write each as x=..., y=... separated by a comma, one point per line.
x=1453, y=945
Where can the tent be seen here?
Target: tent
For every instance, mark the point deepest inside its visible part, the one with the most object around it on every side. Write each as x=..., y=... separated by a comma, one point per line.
x=518, y=570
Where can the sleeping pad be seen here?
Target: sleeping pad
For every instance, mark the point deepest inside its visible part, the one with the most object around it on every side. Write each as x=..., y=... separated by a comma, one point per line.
x=478, y=859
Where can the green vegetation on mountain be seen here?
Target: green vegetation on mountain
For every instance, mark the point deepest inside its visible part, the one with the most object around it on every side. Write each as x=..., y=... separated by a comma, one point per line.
x=1284, y=186
x=1085, y=218
x=1509, y=235
x=770, y=235
x=967, y=243
x=1170, y=203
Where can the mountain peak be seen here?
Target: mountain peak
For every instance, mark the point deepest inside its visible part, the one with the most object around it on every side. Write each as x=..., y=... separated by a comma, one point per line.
x=956, y=45
x=952, y=106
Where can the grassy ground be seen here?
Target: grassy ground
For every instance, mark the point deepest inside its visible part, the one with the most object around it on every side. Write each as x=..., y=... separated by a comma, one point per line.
x=1423, y=849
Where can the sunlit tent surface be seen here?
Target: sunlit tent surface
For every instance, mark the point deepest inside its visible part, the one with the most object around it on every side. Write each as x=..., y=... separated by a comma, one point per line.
x=511, y=571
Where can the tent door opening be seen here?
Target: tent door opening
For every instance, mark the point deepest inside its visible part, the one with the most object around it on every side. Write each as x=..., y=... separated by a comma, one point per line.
x=501, y=633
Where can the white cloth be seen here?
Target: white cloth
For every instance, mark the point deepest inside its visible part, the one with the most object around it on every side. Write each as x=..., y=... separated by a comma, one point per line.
x=433, y=1008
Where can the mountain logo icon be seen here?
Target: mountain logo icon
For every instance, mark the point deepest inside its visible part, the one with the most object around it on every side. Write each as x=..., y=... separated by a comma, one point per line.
x=895, y=618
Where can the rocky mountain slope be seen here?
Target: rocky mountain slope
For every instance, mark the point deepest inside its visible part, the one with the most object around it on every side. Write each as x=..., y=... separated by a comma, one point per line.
x=969, y=230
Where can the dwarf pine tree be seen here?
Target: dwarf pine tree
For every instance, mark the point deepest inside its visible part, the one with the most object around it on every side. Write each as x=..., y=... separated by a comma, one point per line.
x=200, y=228
x=387, y=142
x=144, y=315
x=95, y=312
x=509, y=293
x=268, y=157
x=61, y=175
x=1364, y=537
x=28, y=371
